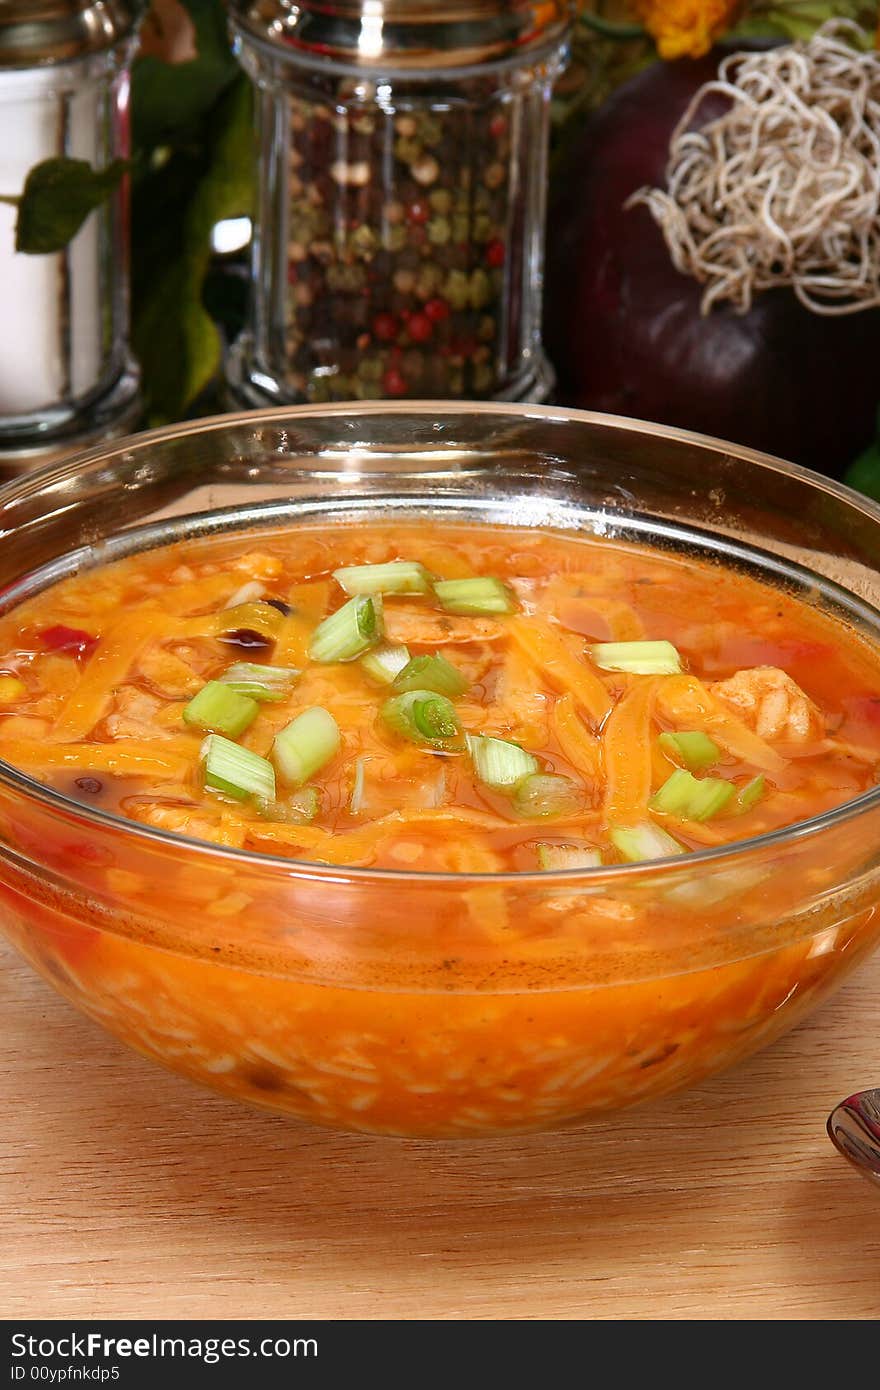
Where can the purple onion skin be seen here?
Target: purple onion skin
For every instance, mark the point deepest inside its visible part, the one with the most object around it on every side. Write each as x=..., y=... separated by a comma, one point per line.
x=623, y=327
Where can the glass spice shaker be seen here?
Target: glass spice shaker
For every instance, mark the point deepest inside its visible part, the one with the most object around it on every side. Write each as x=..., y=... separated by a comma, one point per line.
x=66, y=377
x=399, y=237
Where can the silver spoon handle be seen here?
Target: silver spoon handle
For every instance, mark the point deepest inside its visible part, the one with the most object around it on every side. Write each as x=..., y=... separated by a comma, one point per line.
x=854, y=1128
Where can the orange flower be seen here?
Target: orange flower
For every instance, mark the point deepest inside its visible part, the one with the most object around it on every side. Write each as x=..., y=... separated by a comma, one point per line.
x=686, y=28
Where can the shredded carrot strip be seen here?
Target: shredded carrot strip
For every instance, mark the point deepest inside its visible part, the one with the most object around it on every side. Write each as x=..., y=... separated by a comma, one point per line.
x=309, y=603
x=129, y=759
x=624, y=624
x=353, y=847
x=213, y=624
x=454, y=815
x=686, y=702
x=200, y=593
x=521, y=706
x=582, y=748
x=58, y=677
x=661, y=766
x=548, y=650
x=360, y=845
x=626, y=739
x=445, y=562
x=15, y=726
x=231, y=831
x=117, y=652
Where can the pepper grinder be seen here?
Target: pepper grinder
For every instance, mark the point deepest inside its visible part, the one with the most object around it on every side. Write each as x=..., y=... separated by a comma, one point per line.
x=66, y=376
x=402, y=166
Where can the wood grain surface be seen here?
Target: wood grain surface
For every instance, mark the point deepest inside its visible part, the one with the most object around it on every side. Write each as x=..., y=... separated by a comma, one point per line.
x=127, y=1192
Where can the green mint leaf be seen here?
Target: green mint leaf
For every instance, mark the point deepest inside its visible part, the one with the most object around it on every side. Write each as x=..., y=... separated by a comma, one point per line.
x=170, y=99
x=58, y=196
x=173, y=335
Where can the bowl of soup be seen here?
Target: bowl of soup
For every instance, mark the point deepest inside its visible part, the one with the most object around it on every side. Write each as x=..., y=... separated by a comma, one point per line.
x=439, y=770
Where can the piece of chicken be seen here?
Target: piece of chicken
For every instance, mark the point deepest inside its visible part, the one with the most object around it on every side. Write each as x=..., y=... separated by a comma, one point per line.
x=413, y=625
x=198, y=823
x=771, y=703
x=168, y=674
x=133, y=715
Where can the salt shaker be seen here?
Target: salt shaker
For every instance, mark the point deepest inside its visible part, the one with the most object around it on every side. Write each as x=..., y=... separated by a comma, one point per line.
x=66, y=376
x=399, y=238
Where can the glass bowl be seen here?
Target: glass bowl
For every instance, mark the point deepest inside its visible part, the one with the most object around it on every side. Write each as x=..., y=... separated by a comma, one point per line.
x=435, y=1004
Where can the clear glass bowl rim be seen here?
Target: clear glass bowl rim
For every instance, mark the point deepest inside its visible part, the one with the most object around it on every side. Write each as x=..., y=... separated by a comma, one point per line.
x=721, y=857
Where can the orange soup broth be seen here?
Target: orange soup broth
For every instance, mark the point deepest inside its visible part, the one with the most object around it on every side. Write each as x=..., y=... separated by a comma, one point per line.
x=398, y=1005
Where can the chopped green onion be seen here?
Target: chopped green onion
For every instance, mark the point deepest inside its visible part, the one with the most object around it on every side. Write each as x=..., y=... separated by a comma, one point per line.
x=713, y=887
x=397, y=577
x=263, y=683
x=749, y=795
x=236, y=771
x=475, y=596
x=424, y=717
x=499, y=763
x=694, y=749
x=673, y=796
x=298, y=808
x=546, y=794
x=349, y=632
x=637, y=658
x=385, y=662
x=692, y=798
x=569, y=857
x=431, y=673
x=305, y=802
x=713, y=796
x=644, y=841
x=255, y=617
x=248, y=592
x=356, y=800
x=220, y=710
x=305, y=745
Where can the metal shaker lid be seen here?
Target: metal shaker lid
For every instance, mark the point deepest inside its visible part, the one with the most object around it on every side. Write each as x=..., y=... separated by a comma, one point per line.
x=410, y=35
x=38, y=32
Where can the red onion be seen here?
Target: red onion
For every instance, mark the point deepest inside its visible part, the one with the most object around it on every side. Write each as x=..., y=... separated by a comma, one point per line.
x=624, y=329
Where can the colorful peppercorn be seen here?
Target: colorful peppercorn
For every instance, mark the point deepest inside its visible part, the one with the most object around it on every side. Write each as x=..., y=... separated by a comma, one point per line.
x=402, y=250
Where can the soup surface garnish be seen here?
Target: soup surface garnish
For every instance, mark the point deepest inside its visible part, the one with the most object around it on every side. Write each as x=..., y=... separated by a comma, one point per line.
x=498, y=700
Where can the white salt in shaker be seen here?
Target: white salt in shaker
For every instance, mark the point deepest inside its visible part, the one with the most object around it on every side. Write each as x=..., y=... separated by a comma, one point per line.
x=66, y=376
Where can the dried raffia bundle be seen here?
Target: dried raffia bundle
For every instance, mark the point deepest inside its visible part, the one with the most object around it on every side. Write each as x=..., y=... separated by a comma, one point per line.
x=782, y=188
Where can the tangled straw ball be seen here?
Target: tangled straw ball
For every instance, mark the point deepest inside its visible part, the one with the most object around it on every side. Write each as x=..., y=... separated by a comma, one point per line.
x=783, y=189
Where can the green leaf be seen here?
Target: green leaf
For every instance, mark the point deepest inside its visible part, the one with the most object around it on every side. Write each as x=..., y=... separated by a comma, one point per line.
x=174, y=337
x=170, y=99
x=611, y=29
x=57, y=198
x=864, y=473
x=799, y=19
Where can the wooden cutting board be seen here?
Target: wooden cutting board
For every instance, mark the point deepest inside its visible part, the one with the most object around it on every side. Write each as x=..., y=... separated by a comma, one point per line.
x=129, y=1193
